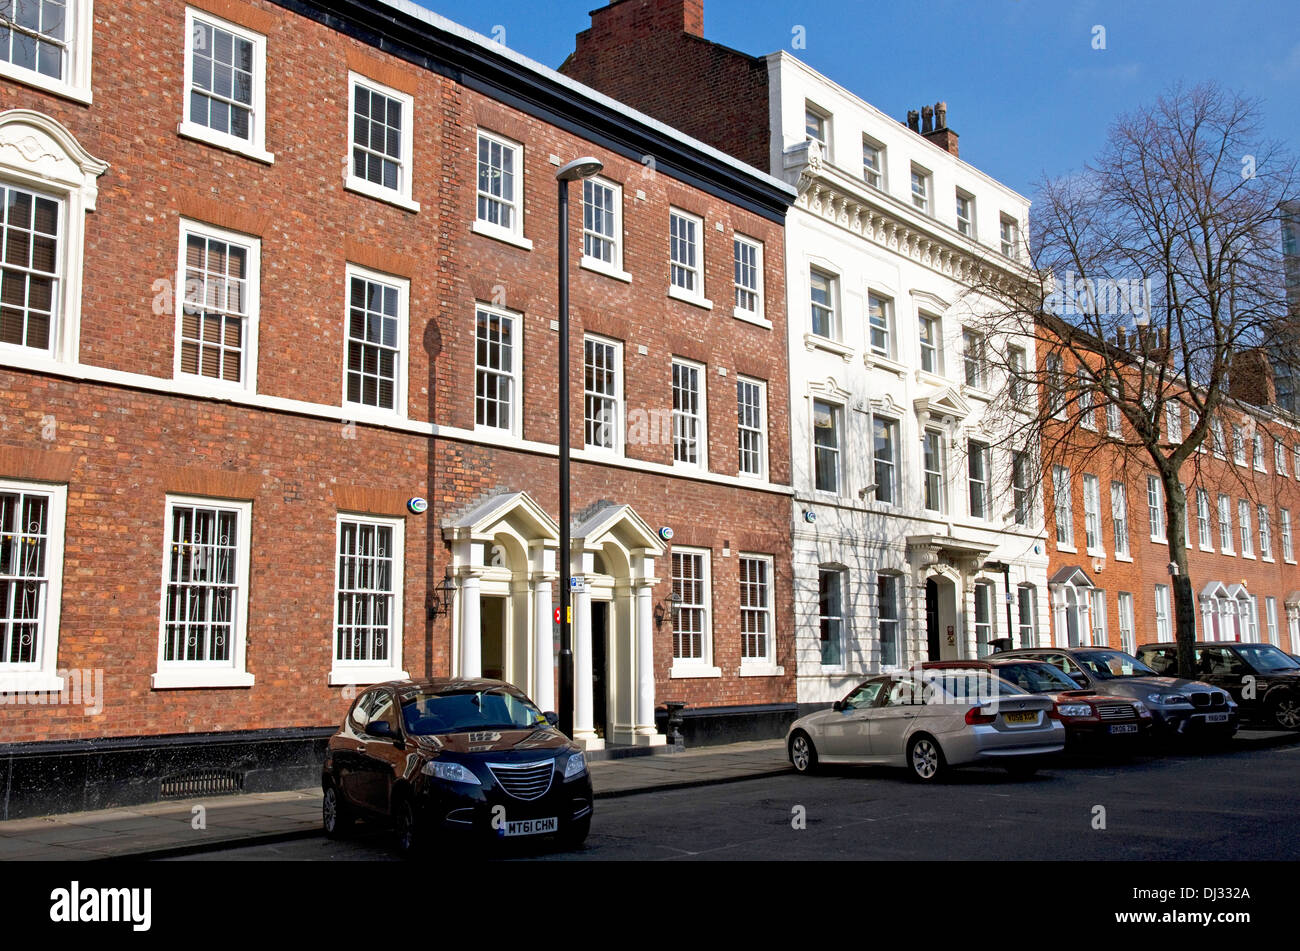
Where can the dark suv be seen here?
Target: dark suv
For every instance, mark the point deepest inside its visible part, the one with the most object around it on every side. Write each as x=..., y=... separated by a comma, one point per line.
x=1179, y=706
x=1264, y=680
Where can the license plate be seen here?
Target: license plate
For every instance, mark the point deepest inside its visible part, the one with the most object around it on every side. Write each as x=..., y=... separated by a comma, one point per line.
x=1124, y=728
x=1216, y=718
x=1029, y=716
x=532, y=826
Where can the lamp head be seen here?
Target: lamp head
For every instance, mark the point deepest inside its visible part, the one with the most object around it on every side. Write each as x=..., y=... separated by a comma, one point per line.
x=584, y=167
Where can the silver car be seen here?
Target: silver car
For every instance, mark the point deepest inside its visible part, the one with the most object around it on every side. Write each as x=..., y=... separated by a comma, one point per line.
x=930, y=722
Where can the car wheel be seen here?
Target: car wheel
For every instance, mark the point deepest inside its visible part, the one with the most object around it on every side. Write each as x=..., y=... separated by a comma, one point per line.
x=336, y=817
x=412, y=836
x=1286, y=712
x=576, y=833
x=803, y=755
x=925, y=759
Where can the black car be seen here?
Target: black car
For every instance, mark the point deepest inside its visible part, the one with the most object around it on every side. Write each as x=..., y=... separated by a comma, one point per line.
x=448, y=756
x=1264, y=680
x=1179, y=707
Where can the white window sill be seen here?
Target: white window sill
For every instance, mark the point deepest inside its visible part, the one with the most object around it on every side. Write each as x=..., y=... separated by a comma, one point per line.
x=1210, y=550
x=873, y=359
x=1246, y=554
x=700, y=466
x=750, y=317
x=190, y=130
x=362, y=413
x=1159, y=541
x=59, y=87
x=177, y=679
x=1229, y=552
x=498, y=233
x=500, y=432
x=363, y=187
x=1067, y=548
x=686, y=297
x=608, y=270
x=753, y=476
x=1097, y=553
x=365, y=676
x=687, y=671
x=30, y=681
x=760, y=670
x=817, y=342
x=976, y=393
x=1127, y=559
x=208, y=386
x=1267, y=559
x=1289, y=561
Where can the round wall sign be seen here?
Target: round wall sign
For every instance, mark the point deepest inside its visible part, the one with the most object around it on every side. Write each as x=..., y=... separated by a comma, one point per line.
x=417, y=505
x=666, y=533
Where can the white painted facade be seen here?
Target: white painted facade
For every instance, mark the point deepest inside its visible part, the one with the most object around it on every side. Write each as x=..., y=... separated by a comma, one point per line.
x=871, y=241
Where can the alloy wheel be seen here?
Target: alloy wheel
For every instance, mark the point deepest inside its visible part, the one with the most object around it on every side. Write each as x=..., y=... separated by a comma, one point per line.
x=925, y=759
x=1287, y=713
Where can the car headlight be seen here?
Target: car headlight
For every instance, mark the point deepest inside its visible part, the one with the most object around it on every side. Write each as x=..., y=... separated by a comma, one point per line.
x=1140, y=708
x=1165, y=699
x=575, y=767
x=1075, y=710
x=450, y=772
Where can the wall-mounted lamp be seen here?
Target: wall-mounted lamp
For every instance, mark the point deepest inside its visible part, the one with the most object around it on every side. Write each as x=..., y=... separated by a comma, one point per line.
x=441, y=597
x=868, y=490
x=661, y=612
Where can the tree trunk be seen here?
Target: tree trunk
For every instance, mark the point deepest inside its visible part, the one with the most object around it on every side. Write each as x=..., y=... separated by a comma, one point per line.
x=1184, y=601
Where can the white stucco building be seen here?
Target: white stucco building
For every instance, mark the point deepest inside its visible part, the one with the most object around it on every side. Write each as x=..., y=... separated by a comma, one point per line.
x=911, y=540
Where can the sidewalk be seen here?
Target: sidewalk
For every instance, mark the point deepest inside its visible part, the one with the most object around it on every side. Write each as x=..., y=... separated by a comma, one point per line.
x=159, y=829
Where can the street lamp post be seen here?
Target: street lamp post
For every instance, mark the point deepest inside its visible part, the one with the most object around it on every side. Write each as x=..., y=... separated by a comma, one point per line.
x=577, y=169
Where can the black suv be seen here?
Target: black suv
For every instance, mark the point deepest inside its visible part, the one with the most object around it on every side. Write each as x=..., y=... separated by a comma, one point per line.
x=1264, y=680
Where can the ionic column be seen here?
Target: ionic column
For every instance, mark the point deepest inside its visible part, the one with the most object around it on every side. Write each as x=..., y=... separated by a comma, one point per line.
x=645, y=662
x=471, y=635
x=584, y=729
x=543, y=692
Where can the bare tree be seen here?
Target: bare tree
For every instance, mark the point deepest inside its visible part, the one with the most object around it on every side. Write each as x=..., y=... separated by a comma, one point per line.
x=1153, y=275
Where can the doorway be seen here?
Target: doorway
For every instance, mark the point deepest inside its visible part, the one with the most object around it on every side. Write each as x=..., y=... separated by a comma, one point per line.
x=600, y=667
x=933, y=648
x=492, y=634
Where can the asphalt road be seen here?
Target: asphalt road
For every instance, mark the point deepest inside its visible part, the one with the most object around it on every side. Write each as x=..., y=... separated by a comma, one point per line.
x=1224, y=806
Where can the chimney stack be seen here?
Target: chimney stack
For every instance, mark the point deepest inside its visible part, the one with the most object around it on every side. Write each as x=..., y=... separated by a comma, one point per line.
x=1251, y=380
x=932, y=122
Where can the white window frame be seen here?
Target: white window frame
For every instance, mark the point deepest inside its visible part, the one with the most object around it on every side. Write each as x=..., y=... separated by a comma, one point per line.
x=940, y=475
x=935, y=345
x=1062, y=508
x=874, y=177
x=824, y=123
x=1173, y=422
x=1163, y=631
x=364, y=673
x=1217, y=438
x=1247, y=532
x=402, y=361
x=894, y=428
x=890, y=351
x=515, y=233
x=841, y=618
x=1009, y=236
x=1114, y=418
x=977, y=450
x=1156, y=509
x=251, y=332
x=1027, y=603
x=42, y=673
x=1270, y=615
x=1092, y=515
x=764, y=664
x=1087, y=408
x=701, y=416
x=1265, y=529
x=895, y=579
x=969, y=221
x=1204, y=530
x=1257, y=452
x=984, y=596
x=1100, y=633
x=683, y=222
x=255, y=146
x=1238, y=445
x=976, y=360
x=922, y=197
x=835, y=328
x=1020, y=489
x=1225, y=524
x=1288, y=551
x=1279, y=457
x=1125, y=606
x=401, y=195
x=755, y=315
x=761, y=430
x=696, y=666
x=1119, y=519
x=514, y=375
x=39, y=155
x=838, y=422
x=614, y=267
x=77, y=42
x=233, y=673
x=618, y=448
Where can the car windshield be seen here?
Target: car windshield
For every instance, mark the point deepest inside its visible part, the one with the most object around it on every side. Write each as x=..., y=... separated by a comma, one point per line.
x=1267, y=658
x=428, y=713
x=1111, y=664
x=1036, y=678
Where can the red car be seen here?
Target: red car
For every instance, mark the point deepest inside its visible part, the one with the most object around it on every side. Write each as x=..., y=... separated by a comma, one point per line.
x=1091, y=720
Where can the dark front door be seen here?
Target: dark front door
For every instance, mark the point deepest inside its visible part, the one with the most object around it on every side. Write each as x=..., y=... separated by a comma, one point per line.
x=599, y=666
x=932, y=619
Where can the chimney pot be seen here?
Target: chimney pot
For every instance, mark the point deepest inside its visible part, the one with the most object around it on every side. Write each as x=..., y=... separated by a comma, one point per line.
x=913, y=120
x=941, y=115
x=927, y=119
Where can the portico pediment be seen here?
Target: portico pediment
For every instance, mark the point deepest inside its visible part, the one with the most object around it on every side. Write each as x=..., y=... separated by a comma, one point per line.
x=516, y=512
x=942, y=403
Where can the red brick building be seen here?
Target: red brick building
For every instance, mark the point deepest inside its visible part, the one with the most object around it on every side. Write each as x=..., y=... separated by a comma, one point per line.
x=273, y=271
x=1109, y=560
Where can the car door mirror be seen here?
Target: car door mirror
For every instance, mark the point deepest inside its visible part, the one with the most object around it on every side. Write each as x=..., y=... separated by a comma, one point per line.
x=552, y=718
x=839, y=706
x=381, y=728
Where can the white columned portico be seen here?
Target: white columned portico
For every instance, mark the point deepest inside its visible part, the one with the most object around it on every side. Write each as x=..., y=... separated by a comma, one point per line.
x=543, y=692
x=646, y=733
x=584, y=728
x=471, y=646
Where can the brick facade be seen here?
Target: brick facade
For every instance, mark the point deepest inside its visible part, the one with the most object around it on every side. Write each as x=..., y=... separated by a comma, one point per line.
x=127, y=431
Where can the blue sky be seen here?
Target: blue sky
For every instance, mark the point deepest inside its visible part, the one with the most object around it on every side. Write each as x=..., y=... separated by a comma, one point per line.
x=1026, y=90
